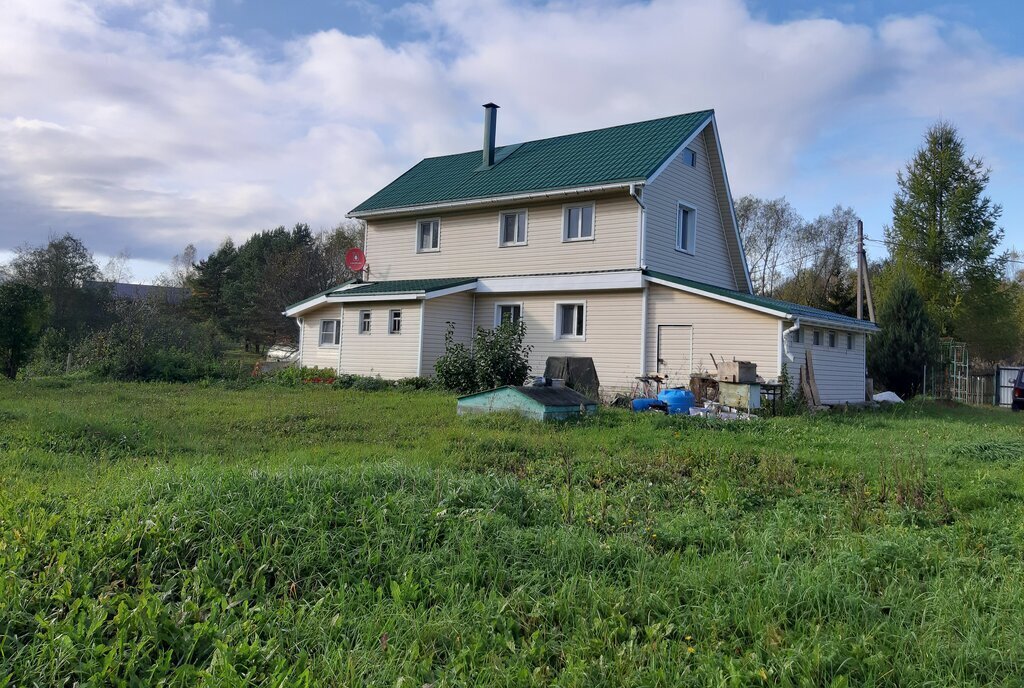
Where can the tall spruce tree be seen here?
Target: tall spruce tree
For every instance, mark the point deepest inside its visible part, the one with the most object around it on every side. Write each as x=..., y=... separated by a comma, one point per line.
x=944, y=233
x=908, y=340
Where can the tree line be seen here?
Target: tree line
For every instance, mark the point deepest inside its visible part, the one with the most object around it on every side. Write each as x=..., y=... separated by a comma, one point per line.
x=59, y=309
x=943, y=276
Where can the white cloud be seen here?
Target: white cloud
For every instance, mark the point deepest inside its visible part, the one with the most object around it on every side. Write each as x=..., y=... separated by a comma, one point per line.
x=152, y=133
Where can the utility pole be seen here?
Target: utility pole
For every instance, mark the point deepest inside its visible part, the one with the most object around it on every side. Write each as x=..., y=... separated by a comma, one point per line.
x=860, y=269
x=863, y=283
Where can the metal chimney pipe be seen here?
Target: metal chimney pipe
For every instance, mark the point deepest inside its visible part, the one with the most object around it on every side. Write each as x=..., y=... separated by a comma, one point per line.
x=490, y=124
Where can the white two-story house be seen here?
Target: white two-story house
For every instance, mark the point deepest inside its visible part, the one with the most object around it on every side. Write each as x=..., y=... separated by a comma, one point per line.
x=619, y=244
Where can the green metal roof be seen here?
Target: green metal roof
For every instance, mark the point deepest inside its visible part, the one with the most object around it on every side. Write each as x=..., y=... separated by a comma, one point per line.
x=419, y=286
x=630, y=152
x=785, y=307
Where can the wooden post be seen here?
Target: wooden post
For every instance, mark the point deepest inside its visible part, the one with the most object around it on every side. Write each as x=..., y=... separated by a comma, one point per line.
x=860, y=269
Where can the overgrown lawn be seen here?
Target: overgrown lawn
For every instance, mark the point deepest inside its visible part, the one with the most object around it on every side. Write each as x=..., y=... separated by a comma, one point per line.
x=190, y=534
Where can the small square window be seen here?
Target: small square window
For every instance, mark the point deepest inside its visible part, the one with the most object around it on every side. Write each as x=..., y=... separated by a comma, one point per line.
x=571, y=320
x=513, y=228
x=364, y=322
x=330, y=332
x=832, y=339
x=507, y=312
x=428, y=236
x=395, y=322
x=849, y=341
x=689, y=157
x=686, y=228
x=578, y=223
x=817, y=338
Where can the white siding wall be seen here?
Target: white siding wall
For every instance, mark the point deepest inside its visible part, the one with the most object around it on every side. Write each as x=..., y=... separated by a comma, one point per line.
x=711, y=262
x=456, y=309
x=391, y=356
x=719, y=328
x=838, y=371
x=312, y=353
x=612, y=332
x=469, y=243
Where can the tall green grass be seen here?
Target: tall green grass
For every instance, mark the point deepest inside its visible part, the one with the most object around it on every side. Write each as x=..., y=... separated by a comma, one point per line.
x=184, y=535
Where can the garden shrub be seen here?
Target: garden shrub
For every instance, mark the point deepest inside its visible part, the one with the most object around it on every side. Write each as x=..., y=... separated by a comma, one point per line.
x=498, y=357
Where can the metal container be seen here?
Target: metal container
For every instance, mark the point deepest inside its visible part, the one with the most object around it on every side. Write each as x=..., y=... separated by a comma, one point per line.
x=737, y=371
x=741, y=396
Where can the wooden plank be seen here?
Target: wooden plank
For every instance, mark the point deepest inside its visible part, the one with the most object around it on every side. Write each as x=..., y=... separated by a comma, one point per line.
x=811, y=382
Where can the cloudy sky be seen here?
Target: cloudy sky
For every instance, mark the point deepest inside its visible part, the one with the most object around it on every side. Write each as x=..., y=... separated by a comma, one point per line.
x=144, y=125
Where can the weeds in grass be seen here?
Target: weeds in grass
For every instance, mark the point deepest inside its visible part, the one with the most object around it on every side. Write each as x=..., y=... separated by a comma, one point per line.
x=283, y=535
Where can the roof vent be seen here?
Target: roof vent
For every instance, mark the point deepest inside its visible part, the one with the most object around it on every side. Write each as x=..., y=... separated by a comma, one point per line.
x=490, y=124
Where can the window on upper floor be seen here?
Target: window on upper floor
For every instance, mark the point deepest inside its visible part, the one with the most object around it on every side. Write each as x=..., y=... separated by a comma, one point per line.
x=507, y=312
x=689, y=157
x=570, y=320
x=330, y=332
x=395, y=322
x=578, y=222
x=428, y=236
x=686, y=228
x=365, y=322
x=512, y=228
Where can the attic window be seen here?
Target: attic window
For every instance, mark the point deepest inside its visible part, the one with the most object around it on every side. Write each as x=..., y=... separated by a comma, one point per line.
x=686, y=228
x=689, y=157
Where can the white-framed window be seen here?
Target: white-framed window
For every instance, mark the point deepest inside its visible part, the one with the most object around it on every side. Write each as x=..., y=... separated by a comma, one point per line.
x=395, y=321
x=689, y=157
x=686, y=228
x=365, y=321
x=578, y=222
x=832, y=339
x=512, y=228
x=849, y=341
x=507, y=312
x=330, y=332
x=798, y=336
x=571, y=320
x=428, y=236
x=817, y=338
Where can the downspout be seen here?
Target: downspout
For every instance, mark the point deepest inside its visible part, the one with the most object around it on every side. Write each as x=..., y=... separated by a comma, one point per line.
x=635, y=190
x=300, y=321
x=785, y=341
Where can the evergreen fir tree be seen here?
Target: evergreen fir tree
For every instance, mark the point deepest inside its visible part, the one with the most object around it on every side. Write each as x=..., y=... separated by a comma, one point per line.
x=908, y=340
x=944, y=232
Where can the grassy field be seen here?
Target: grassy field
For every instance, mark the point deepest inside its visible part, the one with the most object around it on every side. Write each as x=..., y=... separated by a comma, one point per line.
x=186, y=534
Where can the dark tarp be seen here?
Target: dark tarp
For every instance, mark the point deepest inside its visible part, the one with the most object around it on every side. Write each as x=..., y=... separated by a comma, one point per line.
x=579, y=373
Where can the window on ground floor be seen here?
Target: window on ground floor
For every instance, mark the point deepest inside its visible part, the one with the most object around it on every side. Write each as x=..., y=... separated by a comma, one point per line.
x=832, y=339
x=507, y=312
x=330, y=332
x=395, y=321
x=570, y=320
x=849, y=341
x=365, y=321
x=817, y=338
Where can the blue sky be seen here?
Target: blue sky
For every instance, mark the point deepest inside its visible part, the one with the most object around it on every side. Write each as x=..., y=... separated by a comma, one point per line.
x=144, y=125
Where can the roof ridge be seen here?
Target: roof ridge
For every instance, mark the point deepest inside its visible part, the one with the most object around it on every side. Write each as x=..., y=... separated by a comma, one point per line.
x=573, y=133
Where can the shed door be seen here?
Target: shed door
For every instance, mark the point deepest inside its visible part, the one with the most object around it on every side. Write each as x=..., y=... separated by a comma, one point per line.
x=675, y=353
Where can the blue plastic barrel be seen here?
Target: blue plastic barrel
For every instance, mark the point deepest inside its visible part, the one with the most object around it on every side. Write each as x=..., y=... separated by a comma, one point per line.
x=678, y=400
x=644, y=404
